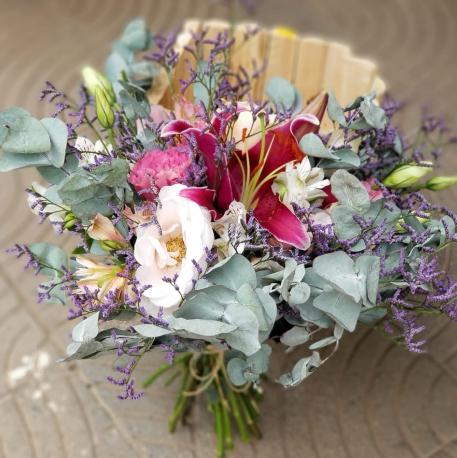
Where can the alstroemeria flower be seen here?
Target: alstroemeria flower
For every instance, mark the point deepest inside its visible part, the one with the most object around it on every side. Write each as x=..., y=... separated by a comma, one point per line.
x=374, y=192
x=300, y=183
x=247, y=176
x=225, y=227
x=168, y=252
x=99, y=274
x=103, y=229
x=159, y=168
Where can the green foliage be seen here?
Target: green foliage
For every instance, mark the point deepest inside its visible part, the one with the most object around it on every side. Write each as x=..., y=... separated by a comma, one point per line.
x=302, y=369
x=28, y=142
x=51, y=258
x=313, y=146
x=349, y=191
x=242, y=370
x=283, y=94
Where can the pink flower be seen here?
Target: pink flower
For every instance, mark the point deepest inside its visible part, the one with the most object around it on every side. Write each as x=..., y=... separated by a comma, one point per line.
x=158, y=168
x=374, y=192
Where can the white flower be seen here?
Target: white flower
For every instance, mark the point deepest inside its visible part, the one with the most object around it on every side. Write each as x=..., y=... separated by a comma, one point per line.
x=300, y=184
x=247, y=130
x=56, y=212
x=170, y=251
x=89, y=150
x=231, y=220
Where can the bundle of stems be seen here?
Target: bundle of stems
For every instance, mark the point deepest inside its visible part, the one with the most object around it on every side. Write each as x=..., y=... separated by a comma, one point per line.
x=203, y=375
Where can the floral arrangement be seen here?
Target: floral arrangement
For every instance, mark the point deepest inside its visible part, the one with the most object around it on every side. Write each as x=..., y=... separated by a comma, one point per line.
x=216, y=225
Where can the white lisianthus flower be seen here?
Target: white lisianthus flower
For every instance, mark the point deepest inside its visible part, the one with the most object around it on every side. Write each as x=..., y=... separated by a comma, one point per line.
x=230, y=222
x=171, y=250
x=90, y=150
x=300, y=184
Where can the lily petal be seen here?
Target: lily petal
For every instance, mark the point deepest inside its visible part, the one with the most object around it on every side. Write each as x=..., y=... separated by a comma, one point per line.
x=201, y=196
x=276, y=218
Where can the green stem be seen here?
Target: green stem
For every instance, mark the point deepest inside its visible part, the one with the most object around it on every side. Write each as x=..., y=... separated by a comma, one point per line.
x=165, y=368
x=181, y=401
x=219, y=427
x=237, y=415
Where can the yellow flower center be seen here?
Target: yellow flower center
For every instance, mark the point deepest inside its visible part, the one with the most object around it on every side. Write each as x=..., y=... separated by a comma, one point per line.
x=176, y=248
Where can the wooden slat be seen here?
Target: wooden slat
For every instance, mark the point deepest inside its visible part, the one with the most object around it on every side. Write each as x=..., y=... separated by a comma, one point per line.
x=181, y=73
x=247, y=51
x=309, y=69
x=281, y=57
x=214, y=28
x=357, y=76
x=332, y=78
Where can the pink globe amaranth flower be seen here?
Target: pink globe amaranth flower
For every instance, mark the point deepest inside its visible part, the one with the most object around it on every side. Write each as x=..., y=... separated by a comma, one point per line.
x=159, y=168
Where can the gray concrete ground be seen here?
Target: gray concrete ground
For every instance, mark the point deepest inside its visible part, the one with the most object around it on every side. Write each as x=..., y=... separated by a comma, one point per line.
x=373, y=400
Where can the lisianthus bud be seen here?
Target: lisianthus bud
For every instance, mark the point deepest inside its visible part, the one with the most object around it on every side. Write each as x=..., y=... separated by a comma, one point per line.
x=406, y=175
x=105, y=114
x=93, y=80
x=440, y=183
x=69, y=220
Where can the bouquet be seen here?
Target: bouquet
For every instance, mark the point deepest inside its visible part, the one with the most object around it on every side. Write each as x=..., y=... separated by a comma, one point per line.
x=221, y=210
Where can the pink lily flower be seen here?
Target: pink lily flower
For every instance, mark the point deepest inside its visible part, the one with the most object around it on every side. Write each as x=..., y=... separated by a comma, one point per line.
x=248, y=175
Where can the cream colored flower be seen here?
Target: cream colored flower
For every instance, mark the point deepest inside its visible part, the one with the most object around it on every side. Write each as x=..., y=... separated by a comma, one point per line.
x=230, y=221
x=300, y=184
x=170, y=249
x=103, y=229
x=89, y=150
x=98, y=273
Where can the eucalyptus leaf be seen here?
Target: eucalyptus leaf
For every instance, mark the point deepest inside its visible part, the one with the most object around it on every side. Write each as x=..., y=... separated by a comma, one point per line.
x=136, y=35
x=349, y=191
x=86, y=329
x=201, y=327
x=51, y=257
x=233, y=273
x=302, y=369
x=338, y=270
x=282, y=93
x=340, y=307
x=151, y=330
x=313, y=146
x=235, y=370
x=374, y=115
x=335, y=111
x=58, y=135
x=346, y=159
x=323, y=343
x=295, y=336
x=25, y=134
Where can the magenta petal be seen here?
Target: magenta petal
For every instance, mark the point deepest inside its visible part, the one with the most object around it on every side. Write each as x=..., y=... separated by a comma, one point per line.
x=176, y=127
x=304, y=124
x=201, y=196
x=276, y=218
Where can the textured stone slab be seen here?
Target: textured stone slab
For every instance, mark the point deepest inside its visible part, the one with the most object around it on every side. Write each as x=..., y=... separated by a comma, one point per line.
x=374, y=400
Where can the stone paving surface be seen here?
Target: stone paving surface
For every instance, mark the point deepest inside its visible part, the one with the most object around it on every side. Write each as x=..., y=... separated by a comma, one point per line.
x=373, y=400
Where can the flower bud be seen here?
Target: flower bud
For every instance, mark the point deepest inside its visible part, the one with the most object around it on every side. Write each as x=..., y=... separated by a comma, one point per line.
x=69, y=220
x=105, y=114
x=440, y=183
x=400, y=229
x=93, y=80
x=109, y=245
x=406, y=175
